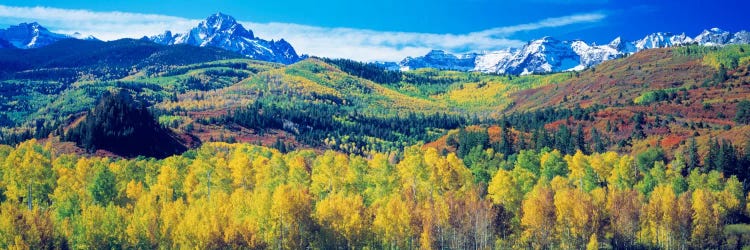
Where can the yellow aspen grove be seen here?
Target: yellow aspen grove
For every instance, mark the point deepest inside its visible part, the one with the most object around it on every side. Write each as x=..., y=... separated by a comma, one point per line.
x=414, y=174
x=624, y=207
x=659, y=219
x=103, y=227
x=329, y=174
x=28, y=174
x=257, y=197
x=241, y=169
x=574, y=210
x=504, y=190
x=290, y=219
x=240, y=232
x=623, y=175
x=604, y=163
x=168, y=184
x=448, y=173
x=346, y=217
x=143, y=224
x=706, y=227
x=299, y=172
x=577, y=164
x=538, y=218
x=393, y=223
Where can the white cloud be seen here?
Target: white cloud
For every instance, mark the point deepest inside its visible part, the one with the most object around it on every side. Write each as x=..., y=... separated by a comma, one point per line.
x=358, y=44
x=371, y=45
x=546, y=23
x=103, y=25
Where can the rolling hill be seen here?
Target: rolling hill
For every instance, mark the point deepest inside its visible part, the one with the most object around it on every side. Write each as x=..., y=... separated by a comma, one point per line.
x=354, y=107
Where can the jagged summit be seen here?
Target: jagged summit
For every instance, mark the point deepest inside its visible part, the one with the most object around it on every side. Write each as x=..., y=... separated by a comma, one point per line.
x=29, y=35
x=713, y=36
x=221, y=24
x=223, y=31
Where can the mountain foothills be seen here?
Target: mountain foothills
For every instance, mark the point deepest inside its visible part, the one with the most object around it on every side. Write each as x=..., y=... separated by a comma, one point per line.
x=188, y=141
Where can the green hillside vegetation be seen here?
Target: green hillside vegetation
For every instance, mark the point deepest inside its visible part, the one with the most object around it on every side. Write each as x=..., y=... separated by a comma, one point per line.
x=203, y=96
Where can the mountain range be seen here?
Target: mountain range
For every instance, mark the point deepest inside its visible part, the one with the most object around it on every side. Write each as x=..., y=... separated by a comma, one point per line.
x=551, y=55
x=218, y=31
x=543, y=55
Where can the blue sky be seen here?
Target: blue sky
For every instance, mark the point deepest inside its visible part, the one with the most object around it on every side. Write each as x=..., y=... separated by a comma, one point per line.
x=390, y=29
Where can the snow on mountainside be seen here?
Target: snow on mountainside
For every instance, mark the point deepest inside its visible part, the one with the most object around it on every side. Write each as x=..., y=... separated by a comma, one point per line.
x=491, y=62
x=742, y=37
x=593, y=55
x=713, y=36
x=551, y=55
x=543, y=55
x=661, y=40
x=28, y=36
x=440, y=60
x=223, y=31
x=80, y=36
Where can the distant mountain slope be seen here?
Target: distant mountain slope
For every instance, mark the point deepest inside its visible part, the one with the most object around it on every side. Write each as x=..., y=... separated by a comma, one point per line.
x=123, y=54
x=5, y=44
x=438, y=59
x=223, y=31
x=29, y=36
x=547, y=54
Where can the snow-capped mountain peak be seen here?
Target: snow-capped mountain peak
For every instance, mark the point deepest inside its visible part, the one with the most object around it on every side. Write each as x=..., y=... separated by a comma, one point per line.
x=543, y=55
x=548, y=54
x=166, y=38
x=80, y=36
x=713, y=36
x=654, y=40
x=222, y=24
x=223, y=31
x=741, y=37
x=29, y=35
x=616, y=43
x=493, y=61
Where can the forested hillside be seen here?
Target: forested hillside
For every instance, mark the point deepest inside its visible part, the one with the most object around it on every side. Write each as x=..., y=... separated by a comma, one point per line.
x=125, y=128
x=647, y=151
